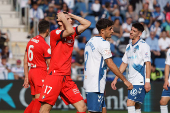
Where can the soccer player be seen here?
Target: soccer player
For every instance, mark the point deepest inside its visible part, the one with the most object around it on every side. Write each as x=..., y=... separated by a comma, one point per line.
x=58, y=81
x=137, y=57
x=166, y=88
x=97, y=57
x=37, y=54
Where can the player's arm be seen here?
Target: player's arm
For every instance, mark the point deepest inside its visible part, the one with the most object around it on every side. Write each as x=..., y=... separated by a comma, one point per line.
x=116, y=71
x=68, y=27
x=148, y=73
x=84, y=23
x=145, y=53
x=166, y=82
x=26, y=84
x=122, y=68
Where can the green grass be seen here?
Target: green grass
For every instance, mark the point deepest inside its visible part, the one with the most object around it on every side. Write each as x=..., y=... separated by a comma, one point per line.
x=58, y=111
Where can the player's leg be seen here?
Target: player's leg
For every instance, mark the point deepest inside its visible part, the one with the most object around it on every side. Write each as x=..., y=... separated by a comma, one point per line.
x=38, y=80
x=50, y=92
x=138, y=108
x=163, y=104
x=131, y=106
x=30, y=106
x=164, y=100
x=80, y=106
x=70, y=94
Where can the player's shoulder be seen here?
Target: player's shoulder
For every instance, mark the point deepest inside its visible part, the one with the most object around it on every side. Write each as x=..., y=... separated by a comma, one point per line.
x=142, y=43
x=56, y=31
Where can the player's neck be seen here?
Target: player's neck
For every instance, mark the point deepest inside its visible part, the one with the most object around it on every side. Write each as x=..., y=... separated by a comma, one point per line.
x=135, y=40
x=43, y=35
x=61, y=28
x=102, y=36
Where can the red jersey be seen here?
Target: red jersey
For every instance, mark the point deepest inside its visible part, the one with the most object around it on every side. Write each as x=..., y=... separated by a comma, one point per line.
x=37, y=51
x=61, y=52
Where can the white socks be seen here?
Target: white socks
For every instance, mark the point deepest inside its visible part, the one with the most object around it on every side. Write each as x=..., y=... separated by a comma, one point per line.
x=164, y=109
x=131, y=109
x=138, y=110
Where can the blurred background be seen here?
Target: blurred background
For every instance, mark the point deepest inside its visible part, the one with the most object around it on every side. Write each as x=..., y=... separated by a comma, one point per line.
x=18, y=24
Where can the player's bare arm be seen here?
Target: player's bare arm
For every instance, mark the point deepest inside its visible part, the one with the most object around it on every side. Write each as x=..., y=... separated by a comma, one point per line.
x=84, y=23
x=122, y=68
x=166, y=83
x=68, y=27
x=148, y=72
x=116, y=71
x=26, y=84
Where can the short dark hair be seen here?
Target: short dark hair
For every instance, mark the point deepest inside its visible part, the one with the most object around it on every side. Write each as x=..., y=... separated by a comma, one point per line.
x=138, y=26
x=43, y=26
x=103, y=24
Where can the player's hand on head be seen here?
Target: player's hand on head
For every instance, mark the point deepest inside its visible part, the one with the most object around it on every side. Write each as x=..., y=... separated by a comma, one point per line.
x=166, y=85
x=128, y=84
x=60, y=16
x=147, y=87
x=113, y=84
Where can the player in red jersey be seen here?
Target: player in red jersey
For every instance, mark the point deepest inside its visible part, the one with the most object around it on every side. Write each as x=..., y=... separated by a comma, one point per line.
x=37, y=53
x=58, y=81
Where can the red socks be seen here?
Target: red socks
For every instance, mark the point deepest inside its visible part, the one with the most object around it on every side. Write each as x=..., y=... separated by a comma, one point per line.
x=29, y=107
x=36, y=107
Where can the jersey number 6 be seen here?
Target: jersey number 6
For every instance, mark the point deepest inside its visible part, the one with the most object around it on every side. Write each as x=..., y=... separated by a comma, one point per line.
x=30, y=53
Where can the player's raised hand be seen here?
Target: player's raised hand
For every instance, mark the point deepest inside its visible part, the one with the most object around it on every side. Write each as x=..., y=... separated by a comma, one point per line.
x=166, y=85
x=113, y=84
x=147, y=87
x=26, y=83
x=60, y=16
x=128, y=84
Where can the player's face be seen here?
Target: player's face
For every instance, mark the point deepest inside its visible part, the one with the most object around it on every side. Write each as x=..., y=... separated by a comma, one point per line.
x=109, y=32
x=134, y=33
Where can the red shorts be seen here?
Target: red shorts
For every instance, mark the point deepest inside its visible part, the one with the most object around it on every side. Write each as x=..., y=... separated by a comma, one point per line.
x=56, y=85
x=36, y=79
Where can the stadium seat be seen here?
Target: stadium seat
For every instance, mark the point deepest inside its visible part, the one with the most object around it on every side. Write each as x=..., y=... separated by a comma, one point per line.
x=160, y=63
x=89, y=8
x=117, y=61
x=92, y=20
x=81, y=45
x=87, y=34
x=113, y=19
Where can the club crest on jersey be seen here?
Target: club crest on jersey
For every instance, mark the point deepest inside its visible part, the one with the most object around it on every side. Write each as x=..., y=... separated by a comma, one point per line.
x=43, y=96
x=49, y=51
x=133, y=92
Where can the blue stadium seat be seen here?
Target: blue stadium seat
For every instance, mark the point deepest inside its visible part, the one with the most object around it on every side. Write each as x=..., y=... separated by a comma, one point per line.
x=81, y=45
x=117, y=61
x=87, y=34
x=113, y=19
x=160, y=63
x=89, y=8
x=92, y=20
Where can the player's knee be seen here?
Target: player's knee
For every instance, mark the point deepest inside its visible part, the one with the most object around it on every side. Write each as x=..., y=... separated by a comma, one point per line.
x=163, y=102
x=82, y=108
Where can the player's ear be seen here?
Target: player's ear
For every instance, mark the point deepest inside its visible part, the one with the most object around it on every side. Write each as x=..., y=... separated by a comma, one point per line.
x=102, y=31
x=140, y=33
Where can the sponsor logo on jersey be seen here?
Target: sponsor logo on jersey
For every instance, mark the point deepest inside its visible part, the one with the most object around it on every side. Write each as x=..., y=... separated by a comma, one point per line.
x=49, y=51
x=76, y=91
x=133, y=92
x=34, y=40
x=107, y=52
x=58, y=31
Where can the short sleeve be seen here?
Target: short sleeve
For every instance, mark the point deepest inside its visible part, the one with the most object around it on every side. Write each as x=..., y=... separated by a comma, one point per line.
x=47, y=52
x=104, y=50
x=56, y=34
x=145, y=51
x=125, y=58
x=76, y=31
x=168, y=57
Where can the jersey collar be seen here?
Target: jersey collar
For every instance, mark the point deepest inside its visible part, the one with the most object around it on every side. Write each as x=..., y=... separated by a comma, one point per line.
x=135, y=43
x=41, y=37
